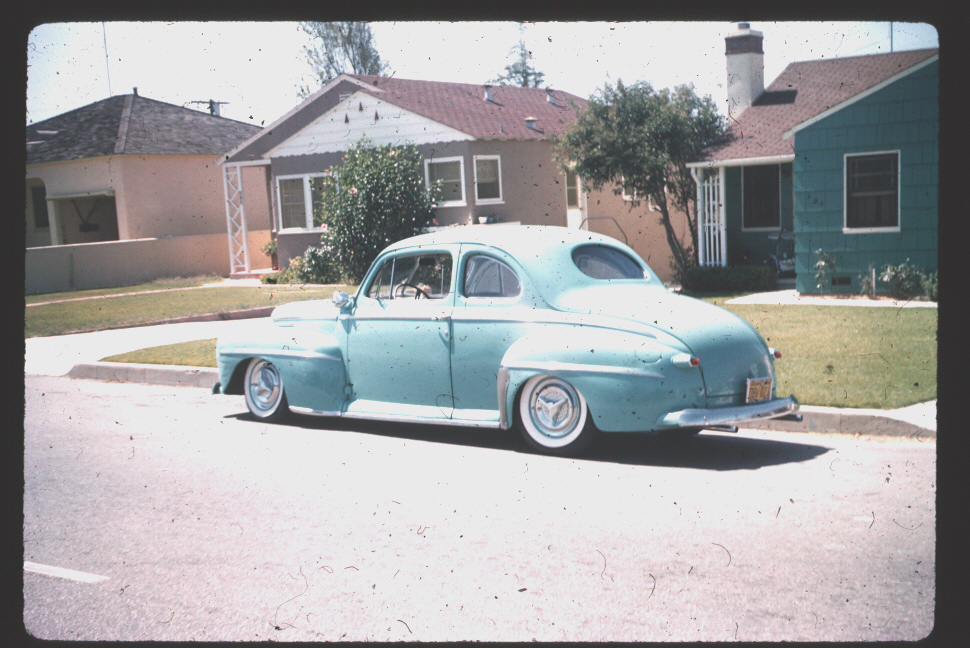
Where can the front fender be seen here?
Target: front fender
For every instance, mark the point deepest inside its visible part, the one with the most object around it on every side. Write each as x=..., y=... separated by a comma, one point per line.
x=310, y=361
x=627, y=379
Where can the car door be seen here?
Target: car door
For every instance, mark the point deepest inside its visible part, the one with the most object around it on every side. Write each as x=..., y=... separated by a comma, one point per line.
x=489, y=315
x=399, y=339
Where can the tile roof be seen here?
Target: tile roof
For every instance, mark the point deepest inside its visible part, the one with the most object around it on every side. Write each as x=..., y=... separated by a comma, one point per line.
x=802, y=91
x=463, y=106
x=132, y=125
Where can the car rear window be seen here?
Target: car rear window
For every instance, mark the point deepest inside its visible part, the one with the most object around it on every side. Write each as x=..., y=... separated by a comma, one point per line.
x=602, y=262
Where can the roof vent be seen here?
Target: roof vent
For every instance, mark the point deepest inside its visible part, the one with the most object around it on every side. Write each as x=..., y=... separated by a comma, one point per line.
x=549, y=96
x=488, y=92
x=530, y=123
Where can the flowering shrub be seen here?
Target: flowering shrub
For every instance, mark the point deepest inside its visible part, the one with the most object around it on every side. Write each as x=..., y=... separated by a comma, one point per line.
x=379, y=198
x=904, y=279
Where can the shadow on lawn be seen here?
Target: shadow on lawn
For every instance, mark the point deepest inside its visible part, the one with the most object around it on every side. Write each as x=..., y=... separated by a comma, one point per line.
x=705, y=451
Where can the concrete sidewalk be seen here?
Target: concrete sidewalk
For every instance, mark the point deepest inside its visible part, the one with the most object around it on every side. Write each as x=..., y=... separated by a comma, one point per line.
x=784, y=297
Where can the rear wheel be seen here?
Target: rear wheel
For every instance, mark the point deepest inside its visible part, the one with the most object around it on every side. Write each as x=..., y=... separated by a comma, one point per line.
x=263, y=388
x=553, y=417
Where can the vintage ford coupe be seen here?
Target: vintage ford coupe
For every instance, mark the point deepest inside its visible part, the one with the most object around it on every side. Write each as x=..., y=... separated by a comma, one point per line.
x=557, y=332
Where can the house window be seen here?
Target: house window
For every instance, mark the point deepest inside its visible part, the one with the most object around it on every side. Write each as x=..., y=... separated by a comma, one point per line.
x=488, y=179
x=450, y=173
x=761, y=197
x=572, y=190
x=630, y=195
x=872, y=191
x=39, y=197
x=301, y=200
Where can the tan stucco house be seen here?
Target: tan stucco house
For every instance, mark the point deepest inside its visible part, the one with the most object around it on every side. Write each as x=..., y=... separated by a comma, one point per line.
x=491, y=146
x=129, y=189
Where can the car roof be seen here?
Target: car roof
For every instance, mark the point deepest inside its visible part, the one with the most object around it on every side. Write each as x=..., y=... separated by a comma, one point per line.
x=514, y=239
x=543, y=251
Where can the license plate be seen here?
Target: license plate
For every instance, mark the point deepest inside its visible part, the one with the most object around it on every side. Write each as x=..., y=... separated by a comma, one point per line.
x=759, y=390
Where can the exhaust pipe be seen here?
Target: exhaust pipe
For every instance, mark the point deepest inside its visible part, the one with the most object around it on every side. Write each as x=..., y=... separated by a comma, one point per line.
x=722, y=428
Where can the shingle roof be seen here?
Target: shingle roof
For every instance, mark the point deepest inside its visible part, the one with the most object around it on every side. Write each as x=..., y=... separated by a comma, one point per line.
x=463, y=106
x=132, y=125
x=802, y=91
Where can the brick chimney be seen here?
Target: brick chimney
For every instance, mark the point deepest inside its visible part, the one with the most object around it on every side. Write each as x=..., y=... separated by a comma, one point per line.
x=745, y=68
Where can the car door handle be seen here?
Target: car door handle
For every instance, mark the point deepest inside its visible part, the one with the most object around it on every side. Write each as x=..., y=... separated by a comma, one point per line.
x=442, y=318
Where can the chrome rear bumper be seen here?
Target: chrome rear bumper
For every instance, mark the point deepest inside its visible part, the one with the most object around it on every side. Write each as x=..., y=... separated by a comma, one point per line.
x=729, y=415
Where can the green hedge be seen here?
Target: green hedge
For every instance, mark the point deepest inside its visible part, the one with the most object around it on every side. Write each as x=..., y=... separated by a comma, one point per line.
x=745, y=278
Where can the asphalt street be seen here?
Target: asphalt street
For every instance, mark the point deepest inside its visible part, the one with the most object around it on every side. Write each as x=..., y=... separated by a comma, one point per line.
x=203, y=524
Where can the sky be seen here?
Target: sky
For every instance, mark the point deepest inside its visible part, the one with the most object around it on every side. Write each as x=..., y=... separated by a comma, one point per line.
x=257, y=68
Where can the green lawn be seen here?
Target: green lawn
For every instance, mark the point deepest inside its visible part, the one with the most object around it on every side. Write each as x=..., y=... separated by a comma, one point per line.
x=67, y=316
x=850, y=356
x=158, y=284
x=837, y=356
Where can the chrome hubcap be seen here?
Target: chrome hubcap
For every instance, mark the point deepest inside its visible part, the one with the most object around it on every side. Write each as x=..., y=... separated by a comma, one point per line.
x=264, y=386
x=554, y=408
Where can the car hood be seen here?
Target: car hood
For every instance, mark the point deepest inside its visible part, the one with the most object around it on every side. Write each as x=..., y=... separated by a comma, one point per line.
x=729, y=348
x=314, y=310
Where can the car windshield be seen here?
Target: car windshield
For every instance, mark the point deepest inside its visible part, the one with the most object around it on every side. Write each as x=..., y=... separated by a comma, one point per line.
x=602, y=262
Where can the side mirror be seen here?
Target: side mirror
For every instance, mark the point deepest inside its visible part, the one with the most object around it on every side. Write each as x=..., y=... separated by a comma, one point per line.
x=340, y=299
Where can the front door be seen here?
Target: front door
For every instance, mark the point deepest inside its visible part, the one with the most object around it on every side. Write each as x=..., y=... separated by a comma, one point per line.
x=399, y=340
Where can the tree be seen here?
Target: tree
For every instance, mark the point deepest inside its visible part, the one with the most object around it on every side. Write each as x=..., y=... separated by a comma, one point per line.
x=521, y=72
x=340, y=47
x=642, y=139
x=379, y=197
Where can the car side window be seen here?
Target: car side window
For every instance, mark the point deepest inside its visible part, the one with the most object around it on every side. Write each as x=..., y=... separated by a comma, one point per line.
x=426, y=276
x=489, y=277
x=602, y=262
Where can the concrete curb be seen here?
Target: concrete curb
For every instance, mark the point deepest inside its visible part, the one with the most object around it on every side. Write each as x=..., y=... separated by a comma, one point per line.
x=818, y=420
x=824, y=421
x=247, y=313
x=150, y=374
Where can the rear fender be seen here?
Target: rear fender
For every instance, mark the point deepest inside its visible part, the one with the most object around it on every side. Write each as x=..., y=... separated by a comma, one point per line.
x=627, y=379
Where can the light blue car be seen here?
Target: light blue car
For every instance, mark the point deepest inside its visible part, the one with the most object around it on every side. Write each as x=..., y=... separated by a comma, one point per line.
x=557, y=332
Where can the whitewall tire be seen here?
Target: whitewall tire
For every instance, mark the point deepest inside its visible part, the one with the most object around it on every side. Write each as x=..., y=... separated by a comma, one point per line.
x=263, y=388
x=553, y=417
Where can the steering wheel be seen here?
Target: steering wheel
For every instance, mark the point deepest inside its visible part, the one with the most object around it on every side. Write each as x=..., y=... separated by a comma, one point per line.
x=418, y=292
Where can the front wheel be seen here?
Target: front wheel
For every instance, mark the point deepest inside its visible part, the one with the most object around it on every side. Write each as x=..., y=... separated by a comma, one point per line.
x=263, y=389
x=553, y=417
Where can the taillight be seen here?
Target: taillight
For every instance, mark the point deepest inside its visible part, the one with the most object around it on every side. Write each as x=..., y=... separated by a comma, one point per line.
x=696, y=361
x=775, y=353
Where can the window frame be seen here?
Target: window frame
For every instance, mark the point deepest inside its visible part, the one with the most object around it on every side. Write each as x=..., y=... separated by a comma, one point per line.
x=391, y=263
x=637, y=198
x=846, y=228
x=461, y=285
x=768, y=228
x=498, y=169
x=461, y=173
x=576, y=186
x=308, y=225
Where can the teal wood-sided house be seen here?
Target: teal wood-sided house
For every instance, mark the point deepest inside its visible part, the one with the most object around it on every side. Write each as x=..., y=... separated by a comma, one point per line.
x=841, y=154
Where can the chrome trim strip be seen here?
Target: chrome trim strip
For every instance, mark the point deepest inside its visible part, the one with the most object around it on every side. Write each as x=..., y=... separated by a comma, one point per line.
x=502, y=381
x=729, y=415
x=312, y=412
x=262, y=352
x=419, y=419
x=554, y=366
x=549, y=316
